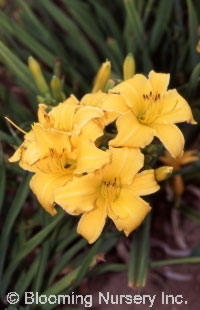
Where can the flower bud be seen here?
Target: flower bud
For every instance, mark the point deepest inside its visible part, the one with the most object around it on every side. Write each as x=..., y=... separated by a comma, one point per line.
x=102, y=77
x=56, y=88
x=129, y=67
x=109, y=85
x=163, y=173
x=36, y=72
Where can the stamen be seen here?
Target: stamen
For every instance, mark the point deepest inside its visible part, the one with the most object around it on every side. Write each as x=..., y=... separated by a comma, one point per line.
x=14, y=125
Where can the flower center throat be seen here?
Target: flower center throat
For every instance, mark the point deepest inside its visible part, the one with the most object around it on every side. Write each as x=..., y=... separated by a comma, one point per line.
x=110, y=189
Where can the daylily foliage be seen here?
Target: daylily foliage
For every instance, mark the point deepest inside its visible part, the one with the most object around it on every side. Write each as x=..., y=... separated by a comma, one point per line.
x=91, y=170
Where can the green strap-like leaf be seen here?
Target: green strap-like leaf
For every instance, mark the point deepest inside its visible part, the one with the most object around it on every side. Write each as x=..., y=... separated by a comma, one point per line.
x=12, y=213
x=16, y=66
x=163, y=15
x=65, y=258
x=28, y=247
x=2, y=183
x=138, y=262
x=193, y=25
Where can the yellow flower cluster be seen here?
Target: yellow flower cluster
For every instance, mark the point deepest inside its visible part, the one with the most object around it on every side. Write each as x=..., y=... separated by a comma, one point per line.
x=70, y=167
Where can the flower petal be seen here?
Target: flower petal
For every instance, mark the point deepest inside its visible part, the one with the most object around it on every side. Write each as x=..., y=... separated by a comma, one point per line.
x=43, y=186
x=128, y=211
x=132, y=91
x=122, y=166
x=175, y=109
x=50, y=138
x=84, y=115
x=188, y=157
x=94, y=100
x=17, y=155
x=131, y=133
x=91, y=131
x=144, y=183
x=80, y=194
x=62, y=115
x=159, y=81
x=91, y=223
x=171, y=137
x=90, y=158
x=115, y=103
x=97, y=100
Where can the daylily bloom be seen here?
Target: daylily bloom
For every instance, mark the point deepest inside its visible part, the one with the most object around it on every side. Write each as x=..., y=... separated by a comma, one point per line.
x=149, y=110
x=61, y=145
x=112, y=191
x=177, y=180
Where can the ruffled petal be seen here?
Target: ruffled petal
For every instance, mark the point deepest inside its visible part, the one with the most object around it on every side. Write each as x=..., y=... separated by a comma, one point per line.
x=128, y=211
x=131, y=133
x=97, y=100
x=144, y=183
x=50, y=138
x=43, y=186
x=84, y=115
x=171, y=137
x=159, y=81
x=94, y=100
x=92, y=223
x=122, y=166
x=175, y=109
x=62, y=116
x=80, y=194
x=90, y=158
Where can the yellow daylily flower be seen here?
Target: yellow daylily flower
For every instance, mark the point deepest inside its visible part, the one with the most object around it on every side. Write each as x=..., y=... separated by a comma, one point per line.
x=62, y=128
x=112, y=191
x=149, y=110
x=61, y=145
x=177, y=180
x=53, y=172
x=37, y=145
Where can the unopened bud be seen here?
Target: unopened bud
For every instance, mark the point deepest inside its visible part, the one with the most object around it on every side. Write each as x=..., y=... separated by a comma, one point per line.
x=56, y=88
x=163, y=173
x=36, y=72
x=129, y=67
x=109, y=85
x=102, y=77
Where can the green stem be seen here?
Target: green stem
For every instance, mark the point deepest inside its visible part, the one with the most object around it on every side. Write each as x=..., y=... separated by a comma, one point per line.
x=175, y=261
